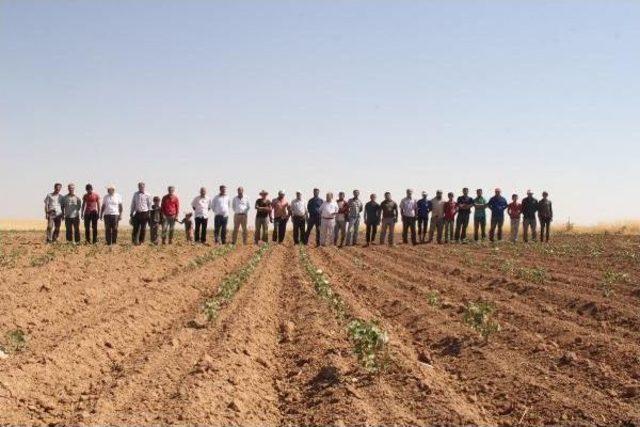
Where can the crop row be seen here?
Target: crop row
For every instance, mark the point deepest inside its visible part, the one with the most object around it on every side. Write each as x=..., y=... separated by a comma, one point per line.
x=199, y=261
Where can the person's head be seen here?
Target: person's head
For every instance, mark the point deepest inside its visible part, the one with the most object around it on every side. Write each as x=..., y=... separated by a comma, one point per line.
x=298, y=195
x=156, y=200
x=529, y=193
x=240, y=192
x=356, y=194
x=280, y=195
x=89, y=188
x=203, y=191
x=409, y=192
x=387, y=196
x=450, y=196
x=479, y=192
x=329, y=197
x=141, y=187
x=373, y=197
x=465, y=191
x=72, y=188
x=341, y=195
x=498, y=191
x=57, y=187
x=264, y=194
x=188, y=215
x=439, y=195
x=171, y=190
x=545, y=194
x=223, y=190
x=424, y=195
x=111, y=189
x=514, y=197
x=316, y=192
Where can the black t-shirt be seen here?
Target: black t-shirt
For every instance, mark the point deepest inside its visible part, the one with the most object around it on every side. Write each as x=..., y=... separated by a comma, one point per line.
x=262, y=204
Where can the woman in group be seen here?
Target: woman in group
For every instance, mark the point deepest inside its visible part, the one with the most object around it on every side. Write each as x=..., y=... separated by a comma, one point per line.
x=111, y=214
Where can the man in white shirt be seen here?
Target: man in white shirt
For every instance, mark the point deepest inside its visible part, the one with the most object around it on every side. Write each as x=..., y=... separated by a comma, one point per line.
x=140, y=207
x=437, y=217
x=240, y=206
x=220, y=208
x=53, y=213
x=408, y=210
x=111, y=213
x=328, y=211
x=201, y=205
x=299, y=216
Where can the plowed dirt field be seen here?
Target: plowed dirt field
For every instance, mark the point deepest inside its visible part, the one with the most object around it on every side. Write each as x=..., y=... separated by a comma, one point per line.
x=98, y=335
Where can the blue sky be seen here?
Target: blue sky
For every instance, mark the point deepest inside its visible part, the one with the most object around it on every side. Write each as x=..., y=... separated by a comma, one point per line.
x=375, y=95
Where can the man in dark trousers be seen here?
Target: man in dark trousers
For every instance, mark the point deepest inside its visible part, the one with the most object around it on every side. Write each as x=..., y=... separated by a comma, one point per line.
x=529, y=209
x=313, y=208
x=424, y=207
x=371, y=219
x=497, y=204
x=545, y=215
x=465, y=203
x=140, y=208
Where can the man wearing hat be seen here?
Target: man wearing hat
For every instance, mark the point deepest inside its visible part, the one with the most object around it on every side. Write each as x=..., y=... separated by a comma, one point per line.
x=281, y=213
x=111, y=213
x=497, y=204
x=299, y=217
x=529, y=209
x=263, y=214
x=423, y=208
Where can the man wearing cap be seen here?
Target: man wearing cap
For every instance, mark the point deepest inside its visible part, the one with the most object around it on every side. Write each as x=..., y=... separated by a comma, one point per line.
x=514, y=210
x=479, y=216
x=408, y=208
x=90, y=213
x=423, y=208
x=240, y=206
x=53, y=213
x=220, y=207
x=353, y=218
x=170, y=209
x=71, y=205
x=281, y=213
x=340, y=230
x=313, y=208
x=529, y=209
x=465, y=203
x=328, y=211
x=437, y=217
x=201, y=206
x=140, y=207
x=111, y=213
x=263, y=215
x=545, y=215
x=299, y=219
x=497, y=204
x=389, y=213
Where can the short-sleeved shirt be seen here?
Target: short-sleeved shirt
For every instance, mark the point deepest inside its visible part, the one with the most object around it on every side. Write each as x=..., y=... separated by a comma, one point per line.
x=313, y=206
x=450, y=210
x=389, y=209
x=90, y=202
x=111, y=204
x=328, y=210
x=262, y=204
x=514, y=210
x=480, y=208
x=497, y=205
x=170, y=205
x=280, y=207
x=343, y=210
x=71, y=205
x=298, y=207
x=424, y=207
x=437, y=208
x=408, y=207
x=201, y=206
x=464, y=200
x=355, y=207
x=53, y=203
x=372, y=212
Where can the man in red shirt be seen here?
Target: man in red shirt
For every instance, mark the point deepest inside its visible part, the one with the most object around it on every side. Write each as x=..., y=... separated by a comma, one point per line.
x=90, y=212
x=170, y=209
x=514, y=209
x=450, y=210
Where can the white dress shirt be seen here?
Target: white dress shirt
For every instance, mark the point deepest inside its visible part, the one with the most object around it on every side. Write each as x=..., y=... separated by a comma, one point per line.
x=328, y=210
x=111, y=204
x=241, y=205
x=201, y=207
x=408, y=207
x=141, y=202
x=298, y=207
x=220, y=205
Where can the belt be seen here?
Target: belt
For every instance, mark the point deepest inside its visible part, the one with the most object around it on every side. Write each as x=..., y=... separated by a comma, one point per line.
x=327, y=218
x=242, y=214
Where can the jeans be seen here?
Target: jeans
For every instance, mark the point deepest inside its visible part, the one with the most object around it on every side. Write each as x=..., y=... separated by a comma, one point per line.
x=423, y=225
x=140, y=221
x=72, y=228
x=545, y=225
x=479, y=224
x=437, y=224
x=53, y=227
x=496, y=222
x=408, y=223
x=111, y=229
x=371, y=231
x=168, y=226
x=91, y=227
x=515, y=228
x=352, y=231
x=529, y=223
x=339, y=231
x=299, y=235
x=462, y=222
x=239, y=221
x=201, y=229
x=220, y=228
x=279, y=229
x=262, y=229
x=327, y=226
x=448, y=229
x=387, y=229
x=313, y=221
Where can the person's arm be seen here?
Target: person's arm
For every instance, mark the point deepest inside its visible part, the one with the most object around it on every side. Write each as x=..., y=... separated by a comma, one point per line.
x=133, y=205
x=120, y=210
x=365, y=216
x=46, y=205
x=550, y=212
x=395, y=212
x=82, y=208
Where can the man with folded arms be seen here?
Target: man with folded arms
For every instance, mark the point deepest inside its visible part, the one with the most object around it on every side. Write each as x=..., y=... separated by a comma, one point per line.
x=240, y=206
x=140, y=206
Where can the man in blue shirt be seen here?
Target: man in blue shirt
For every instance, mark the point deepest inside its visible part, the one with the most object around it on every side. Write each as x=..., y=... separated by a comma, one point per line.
x=497, y=204
x=313, y=207
x=424, y=207
x=465, y=203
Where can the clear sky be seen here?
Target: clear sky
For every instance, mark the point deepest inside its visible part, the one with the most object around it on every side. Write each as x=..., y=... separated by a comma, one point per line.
x=376, y=95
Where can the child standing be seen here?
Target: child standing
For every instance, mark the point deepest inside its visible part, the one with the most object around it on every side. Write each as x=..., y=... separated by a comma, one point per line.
x=188, y=226
x=450, y=210
x=155, y=219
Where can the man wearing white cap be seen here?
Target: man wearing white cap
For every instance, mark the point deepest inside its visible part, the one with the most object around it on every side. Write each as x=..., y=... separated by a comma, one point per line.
x=328, y=211
x=111, y=213
x=281, y=213
x=529, y=209
x=299, y=216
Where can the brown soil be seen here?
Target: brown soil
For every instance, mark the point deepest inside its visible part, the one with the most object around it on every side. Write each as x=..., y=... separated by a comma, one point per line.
x=118, y=335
